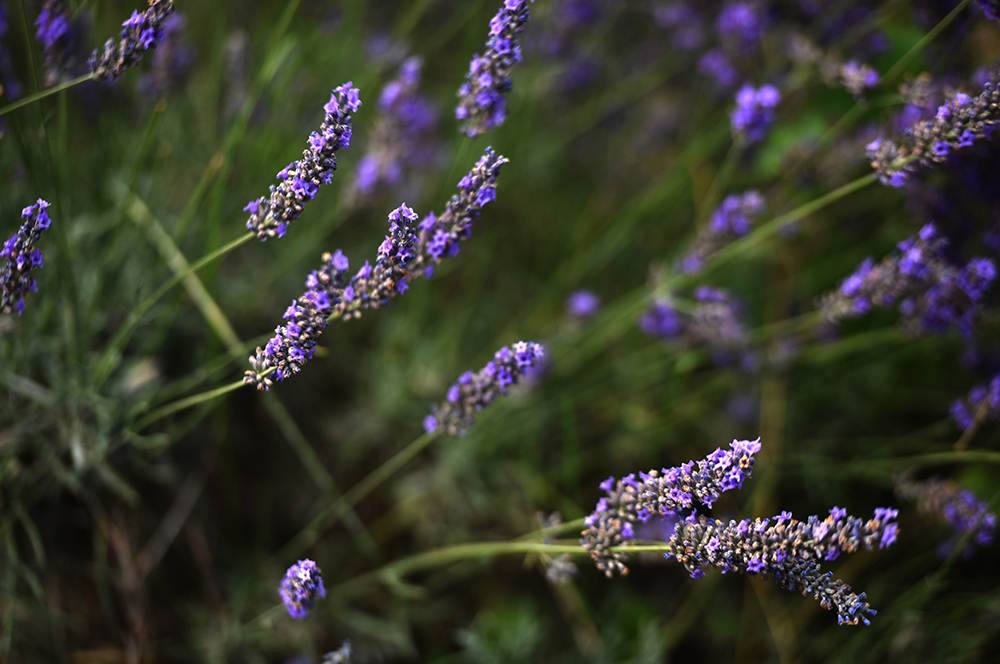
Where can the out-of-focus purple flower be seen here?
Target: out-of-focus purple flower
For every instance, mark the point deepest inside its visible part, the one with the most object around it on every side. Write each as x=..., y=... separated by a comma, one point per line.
x=858, y=77
x=171, y=62
x=714, y=63
x=959, y=507
x=731, y=220
x=400, y=139
x=483, y=97
x=21, y=258
x=300, y=180
x=303, y=583
x=686, y=26
x=475, y=391
x=754, y=112
x=987, y=396
x=140, y=33
x=715, y=322
x=991, y=8
x=740, y=22
x=583, y=304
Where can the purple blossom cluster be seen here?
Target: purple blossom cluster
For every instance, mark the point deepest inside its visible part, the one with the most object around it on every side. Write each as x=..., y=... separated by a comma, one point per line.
x=754, y=113
x=991, y=9
x=21, y=258
x=742, y=24
x=858, y=77
x=960, y=508
x=715, y=321
x=932, y=294
x=299, y=182
x=785, y=548
x=409, y=251
x=302, y=584
x=957, y=125
x=474, y=391
x=731, y=220
x=56, y=34
x=483, y=97
x=400, y=138
x=140, y=33
x=668, y=492
x=583, y=303
x=964, y=411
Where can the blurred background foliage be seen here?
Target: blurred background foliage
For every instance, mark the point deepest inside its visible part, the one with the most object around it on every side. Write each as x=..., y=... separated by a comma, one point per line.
x=166, y=541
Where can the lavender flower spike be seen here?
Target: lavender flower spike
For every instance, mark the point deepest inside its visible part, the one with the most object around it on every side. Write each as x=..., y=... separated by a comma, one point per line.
x=483, y=97
x=788, y=550
x=957, y=125
x=301, y=586
x=475, y=391
x=731, y=220
x=964, y=411
x=754, y=112
x=668, y=492
x=991, y=9
x=408, y=252
x=56, y=34
x=22, y=258
x=960, y=508
x=300, y=180
x=140, y=33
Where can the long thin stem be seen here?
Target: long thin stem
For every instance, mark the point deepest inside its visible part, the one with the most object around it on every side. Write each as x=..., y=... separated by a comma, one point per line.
x=908, y=57
x=187, y=402
x=24, y=101
x=341, y=506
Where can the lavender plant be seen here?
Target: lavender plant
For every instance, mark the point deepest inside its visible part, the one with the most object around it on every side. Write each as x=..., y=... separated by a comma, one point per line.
x=960, y=508
x=483, y=97
x=140, y=34
x=302, y=585
x=301, y=179
x=22, y=257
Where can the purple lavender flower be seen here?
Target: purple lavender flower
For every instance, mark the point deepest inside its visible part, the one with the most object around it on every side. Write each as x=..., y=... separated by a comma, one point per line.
x=754, y=112
x=483, y=97
x=932, y=294
x=964, y=411
x=22, y=257
x=731, y=220
x=669, y=492
x=783, y=547
x=739, y=22
x=410, y=251
x=140, y=33
x=714, y=63
x=171, y=62
x=58, y=38
x=858, y=77
x=475, y=391
x=583, y=304
x=960, y=508
x=400, y=137
x=789, y=550
x=957, y=125
x=715, y=322
x=300, y=180
x=991, y=8
x=302, y=584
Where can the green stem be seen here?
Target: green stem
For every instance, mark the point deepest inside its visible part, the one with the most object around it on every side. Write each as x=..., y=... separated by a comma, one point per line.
x=43, y=94
x=341, y=506
x=904, y=61
x=181, y=404
x=110, y=356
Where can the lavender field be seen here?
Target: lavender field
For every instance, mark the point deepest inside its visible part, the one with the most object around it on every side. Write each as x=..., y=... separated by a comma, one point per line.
x=499, y=331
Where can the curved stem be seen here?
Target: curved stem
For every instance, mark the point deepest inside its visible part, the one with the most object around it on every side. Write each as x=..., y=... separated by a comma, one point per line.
x=332, y=514
x=43, y=94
